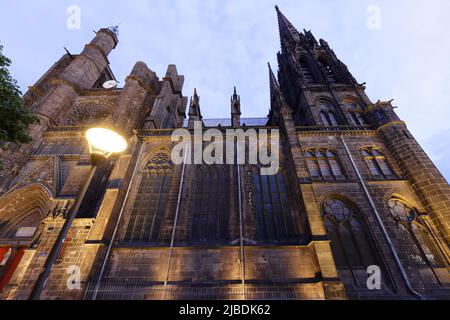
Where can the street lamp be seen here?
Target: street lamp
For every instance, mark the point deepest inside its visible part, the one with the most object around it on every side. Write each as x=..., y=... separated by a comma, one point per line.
x=103, y=143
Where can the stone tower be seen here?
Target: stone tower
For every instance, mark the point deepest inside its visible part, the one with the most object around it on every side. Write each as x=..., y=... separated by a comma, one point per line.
x=360, y=154
x=356, y=211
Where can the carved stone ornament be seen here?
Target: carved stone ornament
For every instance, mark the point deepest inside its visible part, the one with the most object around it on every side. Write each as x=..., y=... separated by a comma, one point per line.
x=88, y=114
x=160, y=162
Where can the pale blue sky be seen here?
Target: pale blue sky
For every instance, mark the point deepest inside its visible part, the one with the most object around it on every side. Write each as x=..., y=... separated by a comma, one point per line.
x=217, y=44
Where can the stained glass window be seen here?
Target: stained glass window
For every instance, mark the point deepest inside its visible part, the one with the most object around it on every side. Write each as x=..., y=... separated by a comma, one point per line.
x=332, y=118
x=312, y=165
x=324, y=165
x=354, y=115
x=324, y=119
x=151, y=199
x=426, y=253
x=274, y=220
x=327, y=114
x=211, y=204
x=351, y=241
x=377, y=164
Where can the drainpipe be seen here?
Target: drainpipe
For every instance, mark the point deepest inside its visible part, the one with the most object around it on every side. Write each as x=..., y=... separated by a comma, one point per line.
x=380, y=222
x=108, y=252
x=175, y=223
x=241, y=224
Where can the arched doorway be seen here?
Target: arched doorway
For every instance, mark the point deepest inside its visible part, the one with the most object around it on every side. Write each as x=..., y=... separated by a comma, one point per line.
x=21, y=214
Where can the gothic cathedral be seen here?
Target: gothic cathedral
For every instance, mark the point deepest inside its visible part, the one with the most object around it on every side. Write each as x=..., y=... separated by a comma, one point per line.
x=356, y=211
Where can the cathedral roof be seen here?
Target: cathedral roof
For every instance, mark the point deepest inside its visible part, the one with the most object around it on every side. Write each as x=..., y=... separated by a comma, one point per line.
x=249, y=122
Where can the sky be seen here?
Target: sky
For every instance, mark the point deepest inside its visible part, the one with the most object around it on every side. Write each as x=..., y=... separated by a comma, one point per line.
x=400, y=48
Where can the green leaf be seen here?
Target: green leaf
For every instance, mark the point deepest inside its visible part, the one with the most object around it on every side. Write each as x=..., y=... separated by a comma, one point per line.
x=14, y=118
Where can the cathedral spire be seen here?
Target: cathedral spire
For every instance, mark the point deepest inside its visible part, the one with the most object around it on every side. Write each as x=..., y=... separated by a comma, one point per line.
x=287, y=29
x=275, y=97
x=292, y=39
x=194, y=110
x=196, y=98
x=274, y=86
x=235, y=102
x=235, y=109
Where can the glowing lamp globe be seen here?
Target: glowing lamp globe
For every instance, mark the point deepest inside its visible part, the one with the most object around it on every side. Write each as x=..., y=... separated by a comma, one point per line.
x=105, y=142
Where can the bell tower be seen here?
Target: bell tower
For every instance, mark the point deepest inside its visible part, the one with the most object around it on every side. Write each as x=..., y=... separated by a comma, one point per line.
x=324, y=113
x=53, y=96
x=310, y=70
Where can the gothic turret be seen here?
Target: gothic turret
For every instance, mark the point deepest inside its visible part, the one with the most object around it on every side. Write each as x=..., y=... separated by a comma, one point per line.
x=194, y=110
x=309, y=68
x=236, y=109
x=71, y=75
x=275, y=102
x=289, y=36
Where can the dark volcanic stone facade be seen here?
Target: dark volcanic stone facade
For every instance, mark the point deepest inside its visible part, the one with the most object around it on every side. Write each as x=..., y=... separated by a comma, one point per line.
x=355, y=190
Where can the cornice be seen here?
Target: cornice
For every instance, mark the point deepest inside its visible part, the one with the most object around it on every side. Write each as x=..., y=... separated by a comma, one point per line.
x=164, y=134
x=34, y=89
x=302, y=132
x=65, y=132
x=60, y=81
x=85, y=92
x=101, y=92
x=393, y=123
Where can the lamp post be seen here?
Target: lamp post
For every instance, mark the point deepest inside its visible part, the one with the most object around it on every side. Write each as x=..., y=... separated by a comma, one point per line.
x=103, y=143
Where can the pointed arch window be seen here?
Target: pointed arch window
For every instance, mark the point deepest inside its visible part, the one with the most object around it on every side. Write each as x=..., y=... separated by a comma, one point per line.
x=328, y=119
x=274, y=218
x=377, y=164
x=427, y=253
x=328, y=115
x=351, y=241
x=324, y=165
x=211, y=204
x=151, y=200
x=354, y=115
